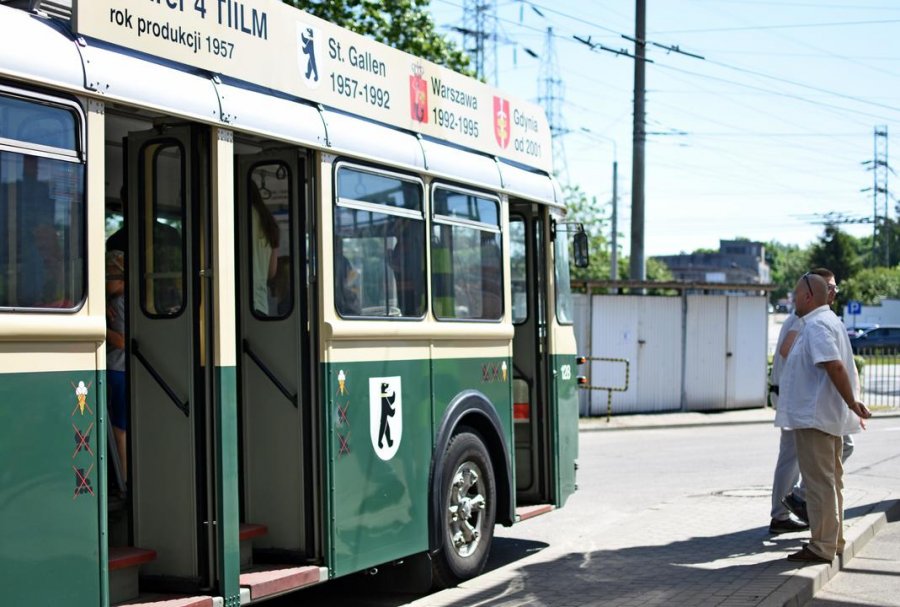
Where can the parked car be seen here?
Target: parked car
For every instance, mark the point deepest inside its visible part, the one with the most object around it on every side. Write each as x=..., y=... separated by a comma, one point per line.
x=879, y=338
x=860, y=328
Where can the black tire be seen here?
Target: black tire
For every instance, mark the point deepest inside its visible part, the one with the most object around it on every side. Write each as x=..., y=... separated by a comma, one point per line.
x=468, y=504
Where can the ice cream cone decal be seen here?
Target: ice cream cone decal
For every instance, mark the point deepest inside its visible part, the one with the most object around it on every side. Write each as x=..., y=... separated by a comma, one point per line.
x=342, y=380
x=81, y=392
x=503, y=370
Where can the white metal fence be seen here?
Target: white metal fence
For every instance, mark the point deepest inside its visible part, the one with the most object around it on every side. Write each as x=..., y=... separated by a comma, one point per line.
x=690, y=352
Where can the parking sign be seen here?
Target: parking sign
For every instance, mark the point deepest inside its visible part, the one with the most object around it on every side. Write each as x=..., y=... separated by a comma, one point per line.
x=854, y=307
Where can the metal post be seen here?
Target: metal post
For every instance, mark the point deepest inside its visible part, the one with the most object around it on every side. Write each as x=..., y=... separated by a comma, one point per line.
x=638, y=269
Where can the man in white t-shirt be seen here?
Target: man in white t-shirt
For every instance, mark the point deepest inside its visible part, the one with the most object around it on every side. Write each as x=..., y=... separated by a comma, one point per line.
x=818, y=399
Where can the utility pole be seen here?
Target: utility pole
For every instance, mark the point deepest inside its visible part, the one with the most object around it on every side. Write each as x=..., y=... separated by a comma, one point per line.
x=637, y=268
x=479, y=32
x=880, y=170
x=551, y=97
x=614, y=236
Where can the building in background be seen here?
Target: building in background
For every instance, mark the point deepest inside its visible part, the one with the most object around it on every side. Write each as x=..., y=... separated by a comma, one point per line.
x=736, y=262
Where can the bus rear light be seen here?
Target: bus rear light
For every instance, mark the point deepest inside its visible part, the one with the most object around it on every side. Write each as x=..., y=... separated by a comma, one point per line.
x=521, y=412
x=581, y=379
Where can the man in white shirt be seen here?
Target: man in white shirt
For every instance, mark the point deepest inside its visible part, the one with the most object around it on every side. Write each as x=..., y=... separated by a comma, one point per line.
x=788, y=489
x=818, y=400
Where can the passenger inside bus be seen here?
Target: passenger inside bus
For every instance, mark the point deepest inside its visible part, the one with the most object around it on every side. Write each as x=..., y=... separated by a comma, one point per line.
x=164, y=261
x=280, y=300
x=264, y=252
x=117, y=393
x=347, y=291
x=46, y=217
x=406, y=261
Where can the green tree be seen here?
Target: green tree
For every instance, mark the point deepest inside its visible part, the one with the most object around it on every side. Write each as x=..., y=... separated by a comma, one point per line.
x=787, y=263
x=403, y=24
x=837, y=251
x=874, y=257
x=870, y=285
x=656, y=270
x=586, y=211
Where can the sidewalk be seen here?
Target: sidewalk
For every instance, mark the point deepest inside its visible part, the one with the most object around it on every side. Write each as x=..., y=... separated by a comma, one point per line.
x=873, y=577
x=696, y=550
x=643, y=421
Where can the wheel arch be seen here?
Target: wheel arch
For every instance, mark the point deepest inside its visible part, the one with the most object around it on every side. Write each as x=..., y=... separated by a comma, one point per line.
x=471, y=409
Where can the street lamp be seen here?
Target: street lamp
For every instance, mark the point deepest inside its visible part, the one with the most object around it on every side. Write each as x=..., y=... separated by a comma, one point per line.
x=614, y=229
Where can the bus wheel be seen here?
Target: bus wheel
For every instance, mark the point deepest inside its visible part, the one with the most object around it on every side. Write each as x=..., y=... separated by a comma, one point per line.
x=468, y=507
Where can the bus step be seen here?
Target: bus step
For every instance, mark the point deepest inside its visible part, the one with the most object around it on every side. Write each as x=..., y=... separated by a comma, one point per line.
x=247, y=532
x=268, y=581
x=124, y=562
x=168, y=600
x=523, y=513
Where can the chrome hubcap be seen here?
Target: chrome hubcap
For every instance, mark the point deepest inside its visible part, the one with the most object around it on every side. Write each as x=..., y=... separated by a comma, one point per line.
x=465, y=514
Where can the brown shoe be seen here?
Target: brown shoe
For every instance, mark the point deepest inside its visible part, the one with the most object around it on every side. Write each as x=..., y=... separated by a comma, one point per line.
x=807, y=556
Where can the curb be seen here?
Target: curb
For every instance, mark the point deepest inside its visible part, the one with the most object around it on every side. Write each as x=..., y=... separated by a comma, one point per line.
x=587, y=424
x=665, y=426
x=806, y=582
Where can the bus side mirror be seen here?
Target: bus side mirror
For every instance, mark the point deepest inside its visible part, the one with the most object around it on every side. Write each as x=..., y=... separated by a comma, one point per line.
x=581, y=249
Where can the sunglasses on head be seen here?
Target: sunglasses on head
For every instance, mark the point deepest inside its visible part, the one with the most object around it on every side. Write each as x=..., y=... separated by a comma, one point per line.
x=808, y=286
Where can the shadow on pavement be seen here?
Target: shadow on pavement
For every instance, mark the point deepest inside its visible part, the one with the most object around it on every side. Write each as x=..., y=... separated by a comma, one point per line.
x=363, y=590
x=699, y=570
x=690, y=572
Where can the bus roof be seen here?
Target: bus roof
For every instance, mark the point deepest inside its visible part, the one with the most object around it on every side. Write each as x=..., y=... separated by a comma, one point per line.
x=271, y=44
x=117, y=74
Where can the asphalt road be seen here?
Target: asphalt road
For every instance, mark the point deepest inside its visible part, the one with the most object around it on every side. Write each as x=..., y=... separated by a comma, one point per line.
x=625, y=476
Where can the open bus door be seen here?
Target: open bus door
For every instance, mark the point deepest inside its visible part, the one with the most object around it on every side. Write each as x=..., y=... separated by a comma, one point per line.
x=274, y=371
x=562, y=358
x=530, y=385
x=546, y=439
x=168, y=330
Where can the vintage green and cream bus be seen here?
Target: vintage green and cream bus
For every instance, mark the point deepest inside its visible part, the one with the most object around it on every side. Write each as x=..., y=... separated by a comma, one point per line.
x=331, y=279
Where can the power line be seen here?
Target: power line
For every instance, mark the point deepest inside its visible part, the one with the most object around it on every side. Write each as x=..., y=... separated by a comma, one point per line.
x=773, y=92
x=777, y=27
x=802, y=85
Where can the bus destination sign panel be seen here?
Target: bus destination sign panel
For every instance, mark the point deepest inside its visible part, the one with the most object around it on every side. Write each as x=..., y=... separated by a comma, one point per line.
x=271, y=44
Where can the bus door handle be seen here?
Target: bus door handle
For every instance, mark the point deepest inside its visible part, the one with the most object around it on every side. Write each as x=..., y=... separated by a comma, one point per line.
x=183, y=405
x=291, y=396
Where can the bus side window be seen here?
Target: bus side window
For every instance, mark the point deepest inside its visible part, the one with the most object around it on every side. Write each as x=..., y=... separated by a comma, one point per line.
x=162, y=235
x=466, y=261
x=379, y=246
x=42, y=224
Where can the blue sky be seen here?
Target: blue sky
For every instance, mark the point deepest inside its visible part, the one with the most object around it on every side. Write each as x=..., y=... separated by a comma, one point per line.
x=754, y=141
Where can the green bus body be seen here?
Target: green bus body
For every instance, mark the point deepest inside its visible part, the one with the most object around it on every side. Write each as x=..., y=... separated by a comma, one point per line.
x=235, y=412
x=51, y=489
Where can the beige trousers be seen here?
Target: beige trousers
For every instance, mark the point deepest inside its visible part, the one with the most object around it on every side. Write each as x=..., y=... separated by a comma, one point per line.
x=819, y=456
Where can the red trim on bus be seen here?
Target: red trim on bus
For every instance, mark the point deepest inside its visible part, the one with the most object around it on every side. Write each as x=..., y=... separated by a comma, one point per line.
x=121, y=557
x=524, y=513
x=265, y=582
x=251, y=530
x=170, y=601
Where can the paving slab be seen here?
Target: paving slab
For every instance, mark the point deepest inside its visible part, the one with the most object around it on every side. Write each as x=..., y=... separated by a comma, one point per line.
x=690, y=551
x=872, y=577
